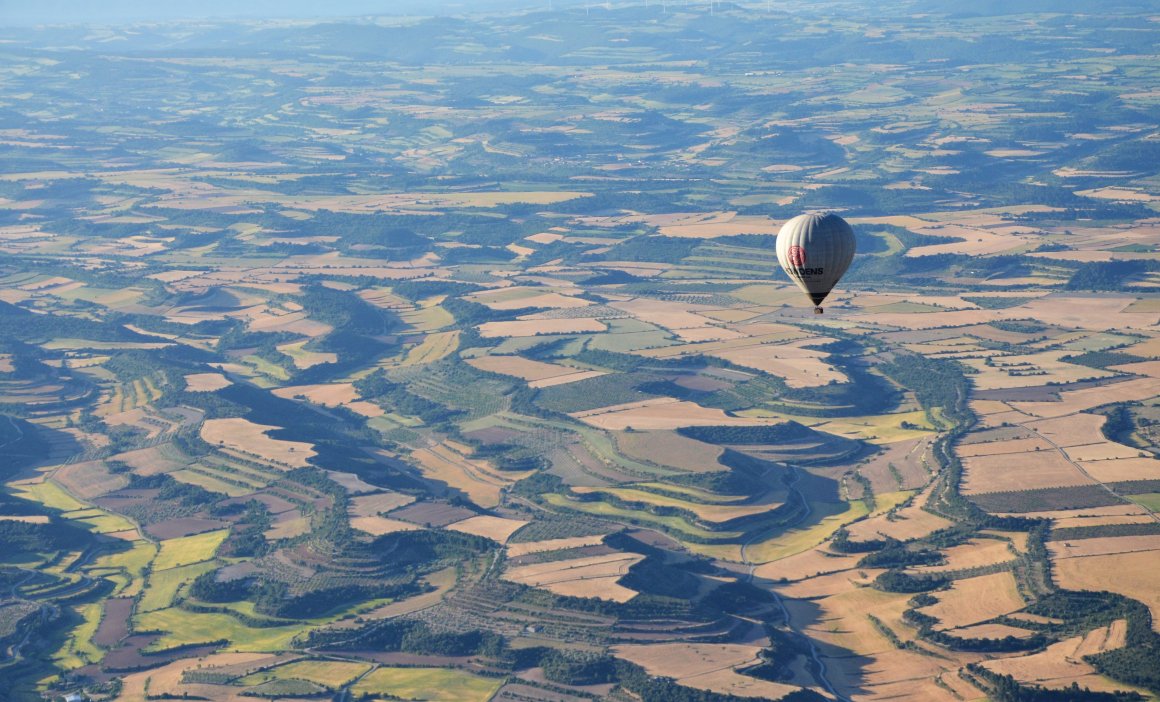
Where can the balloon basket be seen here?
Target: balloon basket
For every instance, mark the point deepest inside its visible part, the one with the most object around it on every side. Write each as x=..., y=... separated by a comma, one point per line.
x=817, y=310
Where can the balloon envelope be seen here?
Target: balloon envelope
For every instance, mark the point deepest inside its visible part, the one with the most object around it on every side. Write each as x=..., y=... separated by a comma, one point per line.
x=815, y=250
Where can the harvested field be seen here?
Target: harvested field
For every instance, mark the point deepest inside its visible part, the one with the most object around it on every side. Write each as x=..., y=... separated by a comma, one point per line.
x=670, y=449
x=329, y=395
x=167, y=679
x=991, y=631
x=1130, y=574
x=704, y=666
x=594, y=576
x=252, y=440
x=371, y=505
x=494, y=528
x=377, y=526
x=1090, y=521
x=661, y=414
x=975, y=600
x=800, y=367
x=565, y=379
x=89, y=479
x=435, y=346
x=910, y=522
x=205, y=382
x=807, y=564
x=669, y=315
x=1105, y=545
x=1061, y=664
x=998, y=448
x=527, y=547
x=1123, y=469
x=1037, y=469
x=1100, y=452
x=1080, y=400
x=972, y=554
x=1071, y=430
x=537, y=327
x=473, y=477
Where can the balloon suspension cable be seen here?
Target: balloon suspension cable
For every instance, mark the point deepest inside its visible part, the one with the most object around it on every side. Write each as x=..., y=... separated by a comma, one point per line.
x=817, y=310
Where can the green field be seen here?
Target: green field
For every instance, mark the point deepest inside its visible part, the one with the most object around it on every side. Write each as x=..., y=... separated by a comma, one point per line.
x=428, y=684
x=189, y=549
x=329, y=673
x=182, y=627
x=163, y=585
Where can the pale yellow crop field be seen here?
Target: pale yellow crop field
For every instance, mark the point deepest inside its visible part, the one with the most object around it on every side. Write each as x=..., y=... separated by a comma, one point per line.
x=327, y=395
x=972, y=554
x=668, y=448
x=371, y=505
x=251, y=439
x=538, y=327
x=1130, y=574
x=703, y=666
x=523, y=549
x=594, y=576
x=520, y=367
x=1036, y=469
x=1081, y=400
x=377, y=526
x=973, y=600
x=205, y=382
x=1071, y=430
x=800, y=367
x=494, y=528
x=661, y=414
x=1105, y=545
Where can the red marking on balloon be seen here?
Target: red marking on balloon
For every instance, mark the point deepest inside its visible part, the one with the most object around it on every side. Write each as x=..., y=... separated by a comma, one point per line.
x=797, y=257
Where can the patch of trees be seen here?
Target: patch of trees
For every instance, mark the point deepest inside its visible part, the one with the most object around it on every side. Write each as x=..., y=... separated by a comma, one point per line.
x=1108, y=275
x=17, y=323
x=272, y=598
x=897, y=555
x=656, y=249
x=1092, y=532
x=842, y=544
x=1103, y=359
x=413, y=548
x=571, y=667
x=421, y=289
x=208, y=588
x=377, y=388
x=472, y=254
x=346, y=311
x=409, y=637
x=23, y=537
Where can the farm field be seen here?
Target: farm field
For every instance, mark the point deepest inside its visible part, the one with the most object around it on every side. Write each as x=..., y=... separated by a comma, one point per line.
x=447, y=355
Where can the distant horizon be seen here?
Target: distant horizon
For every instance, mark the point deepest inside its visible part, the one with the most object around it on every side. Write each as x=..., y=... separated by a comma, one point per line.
x=128, y=11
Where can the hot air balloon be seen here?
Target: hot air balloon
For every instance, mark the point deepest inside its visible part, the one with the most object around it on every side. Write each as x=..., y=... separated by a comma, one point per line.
x=815, y=250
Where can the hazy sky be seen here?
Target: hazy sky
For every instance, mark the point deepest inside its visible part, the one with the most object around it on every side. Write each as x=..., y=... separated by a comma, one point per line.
x=115, y=11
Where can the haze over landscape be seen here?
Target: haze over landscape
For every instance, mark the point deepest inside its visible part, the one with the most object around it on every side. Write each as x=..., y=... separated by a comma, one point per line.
x=441, y=352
